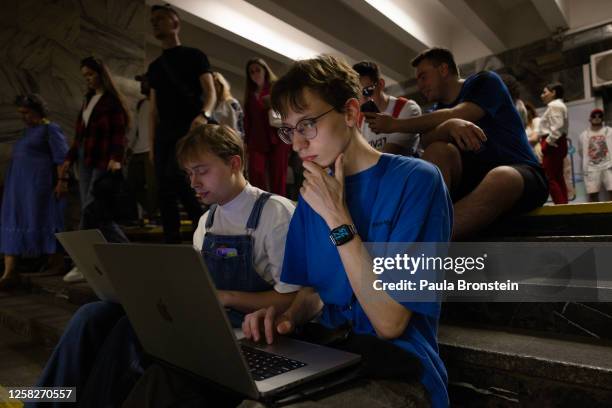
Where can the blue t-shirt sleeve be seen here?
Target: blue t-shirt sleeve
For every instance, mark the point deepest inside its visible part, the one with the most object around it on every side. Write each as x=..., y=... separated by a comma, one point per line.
x=57, y=143
x=295, y=270
x=426, y=215
x=487, y=90
x=426, y=211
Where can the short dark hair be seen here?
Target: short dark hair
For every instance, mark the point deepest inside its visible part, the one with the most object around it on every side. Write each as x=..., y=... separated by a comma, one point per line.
x=369, y=69
x=329, y=77
x=34, y=102
x=437, y=55
x=557, y=87
x=165, y=7
x=513, y=86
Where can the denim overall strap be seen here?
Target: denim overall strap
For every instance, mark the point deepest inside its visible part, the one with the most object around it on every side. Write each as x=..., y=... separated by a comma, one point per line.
x=211, y=216
x=253, y=220
x=230, y=259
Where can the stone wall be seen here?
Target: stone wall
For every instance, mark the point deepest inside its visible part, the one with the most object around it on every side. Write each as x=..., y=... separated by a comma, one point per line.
x=42, y=43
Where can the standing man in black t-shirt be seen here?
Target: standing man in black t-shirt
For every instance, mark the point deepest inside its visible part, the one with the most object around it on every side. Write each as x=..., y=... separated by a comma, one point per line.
x=182, y=96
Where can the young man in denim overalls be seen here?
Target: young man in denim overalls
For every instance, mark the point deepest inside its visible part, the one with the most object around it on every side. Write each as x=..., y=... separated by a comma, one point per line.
x=242, y=240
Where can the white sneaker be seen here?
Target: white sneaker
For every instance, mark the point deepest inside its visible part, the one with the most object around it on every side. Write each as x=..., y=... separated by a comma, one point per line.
x=74, y=276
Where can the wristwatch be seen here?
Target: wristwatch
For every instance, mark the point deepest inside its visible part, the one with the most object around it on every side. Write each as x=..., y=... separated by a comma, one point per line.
x=342, y=234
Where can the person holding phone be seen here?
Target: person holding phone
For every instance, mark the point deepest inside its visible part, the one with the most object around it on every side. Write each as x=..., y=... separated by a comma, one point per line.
x=476, y=138
x=374, y=99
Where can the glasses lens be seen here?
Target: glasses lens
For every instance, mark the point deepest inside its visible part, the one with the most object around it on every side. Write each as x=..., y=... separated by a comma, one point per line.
x=308, y=129
x=285, y=134
x=597, y=116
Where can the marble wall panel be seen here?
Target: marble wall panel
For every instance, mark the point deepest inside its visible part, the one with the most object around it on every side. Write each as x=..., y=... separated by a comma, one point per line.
x=42, y=43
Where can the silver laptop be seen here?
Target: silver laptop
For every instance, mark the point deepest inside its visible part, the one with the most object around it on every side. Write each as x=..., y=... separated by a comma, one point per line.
x=171, y=302
x=79, y=245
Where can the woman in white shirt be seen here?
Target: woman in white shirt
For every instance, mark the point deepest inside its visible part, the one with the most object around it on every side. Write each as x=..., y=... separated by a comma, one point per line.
x=553, y=131
x=228, y=110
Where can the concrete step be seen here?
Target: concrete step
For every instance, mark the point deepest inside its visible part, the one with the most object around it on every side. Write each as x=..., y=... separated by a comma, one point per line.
x=154, y=234
x=39, y=318
x=585, y=219
x=60, y=291
x=583, y=321
x=544, y=238
x=501, y=368
x=21, y=359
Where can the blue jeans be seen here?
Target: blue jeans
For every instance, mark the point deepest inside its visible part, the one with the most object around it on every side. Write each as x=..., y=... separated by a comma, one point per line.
x=93, y=212
x=87, y=177
x=98, y=354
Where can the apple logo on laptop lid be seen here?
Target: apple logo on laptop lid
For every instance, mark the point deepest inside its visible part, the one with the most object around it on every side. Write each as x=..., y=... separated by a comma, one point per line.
x=98, y=270
x=163, y=311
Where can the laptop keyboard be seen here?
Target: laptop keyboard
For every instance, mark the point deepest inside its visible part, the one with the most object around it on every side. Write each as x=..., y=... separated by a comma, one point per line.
x=264, y=365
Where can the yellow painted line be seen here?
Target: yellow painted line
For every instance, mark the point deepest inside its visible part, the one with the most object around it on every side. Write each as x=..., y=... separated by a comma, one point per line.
x=573, y=209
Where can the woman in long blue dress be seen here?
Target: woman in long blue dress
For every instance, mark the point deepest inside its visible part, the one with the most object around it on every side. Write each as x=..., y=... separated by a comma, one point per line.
x=32, y=203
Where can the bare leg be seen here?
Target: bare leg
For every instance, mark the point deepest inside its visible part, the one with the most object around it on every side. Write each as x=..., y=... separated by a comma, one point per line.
x=10, y=277
x=448, y=159
x=496, y=194
x=9, y=266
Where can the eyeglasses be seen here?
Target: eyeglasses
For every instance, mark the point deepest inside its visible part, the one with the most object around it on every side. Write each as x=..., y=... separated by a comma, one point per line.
x=305, y=127
x=597, y=115
x=368, y=90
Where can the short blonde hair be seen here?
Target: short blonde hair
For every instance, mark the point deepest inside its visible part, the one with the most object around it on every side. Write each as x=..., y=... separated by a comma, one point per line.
x=220, y=140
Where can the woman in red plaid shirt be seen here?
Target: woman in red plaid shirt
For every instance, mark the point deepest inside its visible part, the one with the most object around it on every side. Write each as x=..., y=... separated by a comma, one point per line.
x=98, y=147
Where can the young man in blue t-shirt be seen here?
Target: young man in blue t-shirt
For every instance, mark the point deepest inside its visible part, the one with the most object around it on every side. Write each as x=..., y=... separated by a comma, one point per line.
x=352, y=194
x=476, y=137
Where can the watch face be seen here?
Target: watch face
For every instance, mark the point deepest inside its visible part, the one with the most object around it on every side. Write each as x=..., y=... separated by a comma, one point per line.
x=341, y=233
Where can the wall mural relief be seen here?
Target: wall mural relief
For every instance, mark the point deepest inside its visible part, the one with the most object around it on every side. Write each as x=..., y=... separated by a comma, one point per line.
x=42, y=44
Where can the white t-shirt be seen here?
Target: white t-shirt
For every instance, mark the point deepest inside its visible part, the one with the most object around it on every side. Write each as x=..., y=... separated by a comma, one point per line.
x=90, y=107
x=138, y=136
x=268, y=239
x=554, y=122
x=229, y=112
x=409, y=141
x=595, y=149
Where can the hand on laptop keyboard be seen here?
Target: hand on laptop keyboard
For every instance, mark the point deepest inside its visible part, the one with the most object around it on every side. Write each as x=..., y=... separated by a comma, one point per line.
x=266, y=321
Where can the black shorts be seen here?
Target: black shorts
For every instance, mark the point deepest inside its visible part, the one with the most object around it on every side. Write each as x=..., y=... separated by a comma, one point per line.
x=535, y=185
